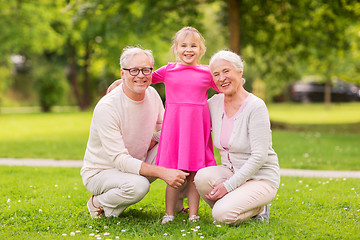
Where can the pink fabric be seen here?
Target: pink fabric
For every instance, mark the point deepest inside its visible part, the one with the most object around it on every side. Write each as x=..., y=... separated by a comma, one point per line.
x=228, y=125
x=185, y=140
x=226, y=130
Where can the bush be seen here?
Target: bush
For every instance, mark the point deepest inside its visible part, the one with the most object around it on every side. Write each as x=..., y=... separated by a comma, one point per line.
x=50, y=84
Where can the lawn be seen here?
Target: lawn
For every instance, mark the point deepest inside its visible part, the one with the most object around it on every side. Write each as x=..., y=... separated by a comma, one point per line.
x=315, y=113
x=50, y=203
x=38, y=135
x=333, y=145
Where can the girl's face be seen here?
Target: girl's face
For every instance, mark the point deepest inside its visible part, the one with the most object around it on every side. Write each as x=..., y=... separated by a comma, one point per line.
x=188, y=50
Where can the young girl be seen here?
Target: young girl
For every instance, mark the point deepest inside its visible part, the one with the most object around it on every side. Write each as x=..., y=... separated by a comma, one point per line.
x=185, y=141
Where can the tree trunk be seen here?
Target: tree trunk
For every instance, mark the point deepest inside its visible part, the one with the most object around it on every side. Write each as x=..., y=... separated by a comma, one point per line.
x=233, y=24
x=327, y=93
x=73, y=76
x=86, y=84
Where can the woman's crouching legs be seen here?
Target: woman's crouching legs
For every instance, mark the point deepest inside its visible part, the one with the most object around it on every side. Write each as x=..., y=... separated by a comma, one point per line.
x=246, y=201
x=207, y=178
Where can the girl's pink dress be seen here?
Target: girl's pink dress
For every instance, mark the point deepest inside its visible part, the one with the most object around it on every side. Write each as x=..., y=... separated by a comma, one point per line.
x=185, y=140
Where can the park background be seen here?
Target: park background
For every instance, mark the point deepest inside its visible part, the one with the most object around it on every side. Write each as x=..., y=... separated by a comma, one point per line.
x=58, y=57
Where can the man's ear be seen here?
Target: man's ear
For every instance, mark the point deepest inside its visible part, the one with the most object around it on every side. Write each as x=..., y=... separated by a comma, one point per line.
x=122, y=73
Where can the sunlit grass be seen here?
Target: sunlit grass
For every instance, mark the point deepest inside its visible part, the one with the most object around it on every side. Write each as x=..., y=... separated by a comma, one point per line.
x=53, y=135
x=50, y=203
x=317, y=150
x=64, y=136
x=315, y=113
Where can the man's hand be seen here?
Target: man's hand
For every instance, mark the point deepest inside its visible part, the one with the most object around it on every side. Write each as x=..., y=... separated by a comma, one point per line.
x=174, y=177
x=114, y=85
x=218, y=192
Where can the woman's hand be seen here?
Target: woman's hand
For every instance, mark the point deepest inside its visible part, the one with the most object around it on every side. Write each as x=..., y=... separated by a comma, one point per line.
x=218, y=192
x=114, y=85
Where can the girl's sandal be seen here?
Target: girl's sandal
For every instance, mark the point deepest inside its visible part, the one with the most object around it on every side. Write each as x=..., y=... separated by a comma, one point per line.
x=194, y=218
x=184, y=210
x=167, y=218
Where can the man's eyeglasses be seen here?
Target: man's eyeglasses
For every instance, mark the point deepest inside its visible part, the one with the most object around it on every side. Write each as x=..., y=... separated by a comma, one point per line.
x=136, y=71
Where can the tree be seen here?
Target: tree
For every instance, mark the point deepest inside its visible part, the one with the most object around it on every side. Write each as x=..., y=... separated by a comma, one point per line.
x=50, y=84
x=287, y=33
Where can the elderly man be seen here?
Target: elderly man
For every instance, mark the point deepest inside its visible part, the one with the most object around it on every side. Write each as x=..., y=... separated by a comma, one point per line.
x=118, y=162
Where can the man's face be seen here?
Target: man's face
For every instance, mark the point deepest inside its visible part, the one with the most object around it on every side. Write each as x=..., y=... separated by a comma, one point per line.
x=135, y=86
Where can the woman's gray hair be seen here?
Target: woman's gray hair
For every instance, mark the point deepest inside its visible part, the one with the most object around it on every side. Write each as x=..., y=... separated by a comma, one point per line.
x=129, y=52
x=231, y=57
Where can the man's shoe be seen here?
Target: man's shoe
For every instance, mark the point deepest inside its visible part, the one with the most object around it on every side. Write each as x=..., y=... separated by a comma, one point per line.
x=264, y=215
x=95, y=212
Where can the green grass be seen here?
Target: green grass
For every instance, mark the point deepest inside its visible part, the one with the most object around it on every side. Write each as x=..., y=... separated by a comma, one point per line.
x=331, y=146
x=38, y=135
x=317, y=150
x=45, y=203
x=315, y=113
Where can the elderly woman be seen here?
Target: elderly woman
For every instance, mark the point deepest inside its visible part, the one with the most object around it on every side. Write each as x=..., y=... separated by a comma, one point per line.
x=246, y=182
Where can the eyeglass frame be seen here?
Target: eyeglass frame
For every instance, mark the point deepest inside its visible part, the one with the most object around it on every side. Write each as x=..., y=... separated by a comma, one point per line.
x=138, y=71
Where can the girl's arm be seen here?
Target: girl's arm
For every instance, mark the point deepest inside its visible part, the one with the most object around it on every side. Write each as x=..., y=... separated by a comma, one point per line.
x=114, y=85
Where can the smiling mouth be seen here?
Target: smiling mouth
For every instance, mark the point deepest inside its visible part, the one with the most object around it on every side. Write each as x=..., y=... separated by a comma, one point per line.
x=225, y=84
x=140, y=82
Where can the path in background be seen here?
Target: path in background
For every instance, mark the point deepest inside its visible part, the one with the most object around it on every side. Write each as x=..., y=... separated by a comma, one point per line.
x=78, y=163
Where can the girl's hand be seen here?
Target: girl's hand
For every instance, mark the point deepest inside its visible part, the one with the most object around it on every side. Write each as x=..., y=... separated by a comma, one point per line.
x=114, y=85
x=218, y=192
x=152, y=144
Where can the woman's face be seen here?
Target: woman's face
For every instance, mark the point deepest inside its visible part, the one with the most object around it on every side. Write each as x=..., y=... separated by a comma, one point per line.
x=226, y=77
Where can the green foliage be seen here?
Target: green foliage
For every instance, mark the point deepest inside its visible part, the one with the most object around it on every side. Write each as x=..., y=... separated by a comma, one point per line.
x=5, y=79
x=50, y=203
x=281, y=40
x=50, y=84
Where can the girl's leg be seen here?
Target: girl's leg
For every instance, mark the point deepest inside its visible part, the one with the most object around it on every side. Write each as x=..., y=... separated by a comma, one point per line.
x=171, y=198
x=193, y=195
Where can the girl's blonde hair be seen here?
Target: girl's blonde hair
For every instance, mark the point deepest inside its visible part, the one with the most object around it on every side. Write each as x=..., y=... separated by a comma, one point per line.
x=186, y=31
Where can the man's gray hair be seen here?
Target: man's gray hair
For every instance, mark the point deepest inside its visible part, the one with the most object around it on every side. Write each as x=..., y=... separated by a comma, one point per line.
x=129, y=52
x=231, y=57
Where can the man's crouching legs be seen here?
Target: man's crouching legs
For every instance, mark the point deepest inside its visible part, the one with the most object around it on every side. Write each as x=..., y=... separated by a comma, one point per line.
x=115, y=191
